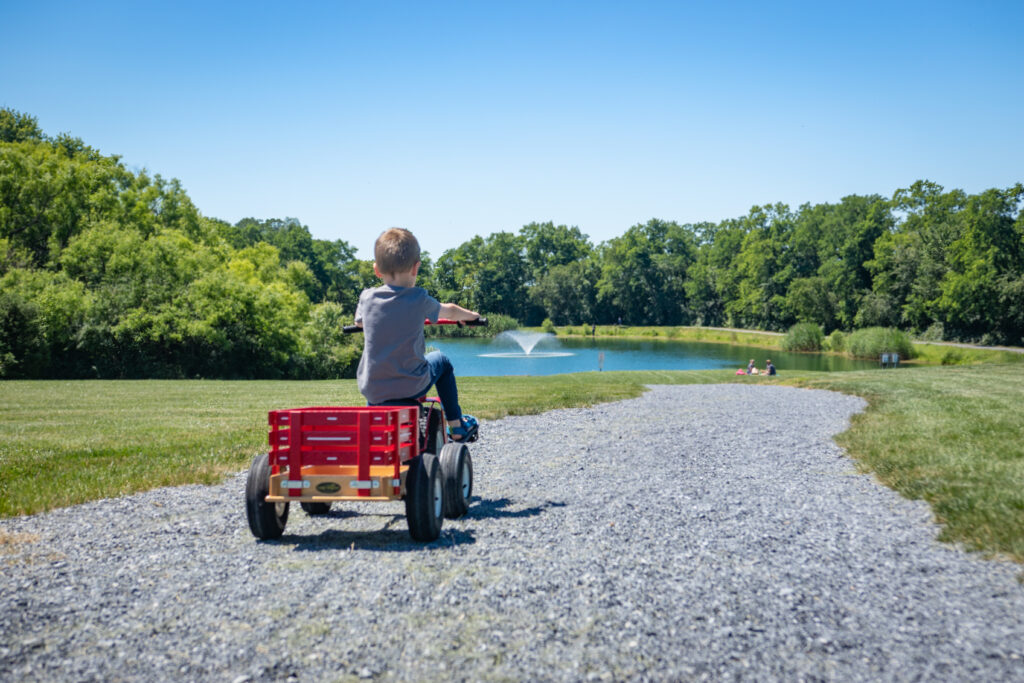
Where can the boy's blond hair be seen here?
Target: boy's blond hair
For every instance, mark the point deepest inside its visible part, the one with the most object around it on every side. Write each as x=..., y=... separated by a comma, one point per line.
x=396, y=251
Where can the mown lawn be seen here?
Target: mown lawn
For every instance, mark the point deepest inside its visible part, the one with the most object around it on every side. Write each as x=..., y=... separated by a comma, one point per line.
x=950, y=435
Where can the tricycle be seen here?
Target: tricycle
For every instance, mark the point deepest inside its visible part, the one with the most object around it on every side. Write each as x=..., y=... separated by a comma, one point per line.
x=323, y=455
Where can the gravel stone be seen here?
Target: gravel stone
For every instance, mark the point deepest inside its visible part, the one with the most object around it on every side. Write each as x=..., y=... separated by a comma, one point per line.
x=694, y=533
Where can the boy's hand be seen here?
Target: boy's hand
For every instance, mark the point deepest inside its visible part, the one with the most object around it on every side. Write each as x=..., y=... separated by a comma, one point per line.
x=457, y=313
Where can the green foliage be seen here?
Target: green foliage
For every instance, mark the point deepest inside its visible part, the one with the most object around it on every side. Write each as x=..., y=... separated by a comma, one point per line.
x=110, y=273
x=936, y=332
x=836, y=341
x=953, y=356
x=548, y=326
x=871, y=342
x=18, y=127
x=643, y=274
x=115, y=273
x=803, y=337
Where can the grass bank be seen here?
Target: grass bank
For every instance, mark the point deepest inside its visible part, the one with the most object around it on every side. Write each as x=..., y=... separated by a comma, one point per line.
x=949, y=435
x=717, y=335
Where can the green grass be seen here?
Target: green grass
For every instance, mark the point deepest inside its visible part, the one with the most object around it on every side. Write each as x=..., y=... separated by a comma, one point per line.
x=946, y=354
x=952, y=436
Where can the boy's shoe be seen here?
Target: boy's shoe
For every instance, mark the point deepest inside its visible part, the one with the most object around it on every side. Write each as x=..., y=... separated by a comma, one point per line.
x=466, y=432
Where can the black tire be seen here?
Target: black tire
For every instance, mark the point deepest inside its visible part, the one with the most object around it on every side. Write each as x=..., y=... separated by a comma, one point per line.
x=315, y=509
x=434, y=439
x=424, y=498
x=266, y=520
x=457, y=471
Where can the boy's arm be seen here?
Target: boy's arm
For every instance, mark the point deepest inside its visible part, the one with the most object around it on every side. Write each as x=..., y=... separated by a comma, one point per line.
x=456, y=312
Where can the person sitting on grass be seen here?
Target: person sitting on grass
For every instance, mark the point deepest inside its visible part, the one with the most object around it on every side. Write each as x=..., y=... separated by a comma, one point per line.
x=395, y=365
x=769, y=369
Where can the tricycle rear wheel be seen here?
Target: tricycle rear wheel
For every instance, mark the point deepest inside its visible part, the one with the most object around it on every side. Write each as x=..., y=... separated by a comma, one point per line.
x=266, y=520
x=424, y=498
x=457, y=471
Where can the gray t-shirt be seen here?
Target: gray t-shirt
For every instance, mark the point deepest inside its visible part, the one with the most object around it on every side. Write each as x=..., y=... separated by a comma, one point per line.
x=393, y=363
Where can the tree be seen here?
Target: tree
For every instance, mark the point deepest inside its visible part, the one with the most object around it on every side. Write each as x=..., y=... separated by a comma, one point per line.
x=910, y=261
x=979, y=297
x=18, y=127
x=548, y=245
x=567, y=293
x=643, y=273
x=762, y=272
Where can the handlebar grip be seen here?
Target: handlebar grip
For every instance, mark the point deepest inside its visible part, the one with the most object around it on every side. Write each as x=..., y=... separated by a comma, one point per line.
x=352, y=329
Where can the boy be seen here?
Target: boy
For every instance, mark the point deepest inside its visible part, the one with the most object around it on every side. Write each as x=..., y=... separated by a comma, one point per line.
x=394, y=365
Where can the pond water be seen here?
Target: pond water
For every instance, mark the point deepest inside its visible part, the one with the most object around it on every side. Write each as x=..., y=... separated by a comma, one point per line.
x=551, y=355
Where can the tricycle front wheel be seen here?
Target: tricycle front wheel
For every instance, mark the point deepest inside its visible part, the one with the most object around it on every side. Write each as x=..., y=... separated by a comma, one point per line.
x=266, y=520
x=315, y=509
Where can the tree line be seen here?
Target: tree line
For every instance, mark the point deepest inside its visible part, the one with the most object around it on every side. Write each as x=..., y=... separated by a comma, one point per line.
x=105, y=272
x=944, y=264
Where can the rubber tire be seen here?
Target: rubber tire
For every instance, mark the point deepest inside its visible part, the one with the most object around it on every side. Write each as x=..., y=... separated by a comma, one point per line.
x=457, y=471
x=435, y=431
x=266, y=520
x=315, y=509
x=424, y=498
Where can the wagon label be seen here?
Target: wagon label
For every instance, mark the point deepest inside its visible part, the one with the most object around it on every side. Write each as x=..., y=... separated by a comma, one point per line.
x=328, y=487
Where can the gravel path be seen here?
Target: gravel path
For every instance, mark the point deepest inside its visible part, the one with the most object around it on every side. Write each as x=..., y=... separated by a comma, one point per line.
x=698, y=532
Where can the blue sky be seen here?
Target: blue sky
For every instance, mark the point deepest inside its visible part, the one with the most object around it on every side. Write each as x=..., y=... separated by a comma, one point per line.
x=462, y=118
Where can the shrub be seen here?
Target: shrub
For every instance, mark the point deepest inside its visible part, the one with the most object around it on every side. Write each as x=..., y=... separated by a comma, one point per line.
x=803, y=337
x=953, y=357
x=935, y=332
x=871, y=342
x=836, y=341
x=548, y=326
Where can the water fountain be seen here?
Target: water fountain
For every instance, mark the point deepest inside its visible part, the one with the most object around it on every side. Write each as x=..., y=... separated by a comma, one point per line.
x=527, y=343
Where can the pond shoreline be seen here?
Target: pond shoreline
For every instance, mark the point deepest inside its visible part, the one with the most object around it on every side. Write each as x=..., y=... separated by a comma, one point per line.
x=769, y=340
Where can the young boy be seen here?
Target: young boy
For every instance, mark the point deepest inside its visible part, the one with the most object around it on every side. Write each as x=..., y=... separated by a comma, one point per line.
x=394, y=365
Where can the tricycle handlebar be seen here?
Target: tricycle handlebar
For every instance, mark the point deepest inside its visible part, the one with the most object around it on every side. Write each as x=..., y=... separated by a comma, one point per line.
x=479, y=322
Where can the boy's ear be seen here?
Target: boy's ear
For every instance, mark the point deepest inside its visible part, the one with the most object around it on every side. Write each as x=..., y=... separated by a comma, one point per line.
x=376, y=271
x=416, y=268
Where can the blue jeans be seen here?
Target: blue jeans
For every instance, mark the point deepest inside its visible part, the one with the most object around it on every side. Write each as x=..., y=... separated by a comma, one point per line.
x=442, y=375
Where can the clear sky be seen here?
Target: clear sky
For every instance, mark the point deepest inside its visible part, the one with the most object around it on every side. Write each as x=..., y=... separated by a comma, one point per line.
x=462, y=118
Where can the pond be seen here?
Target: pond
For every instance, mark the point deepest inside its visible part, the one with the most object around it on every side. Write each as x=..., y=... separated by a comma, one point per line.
x=550, y=355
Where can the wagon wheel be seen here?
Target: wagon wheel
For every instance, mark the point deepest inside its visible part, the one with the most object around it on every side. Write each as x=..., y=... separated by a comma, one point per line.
x=457, y=472
x=314, y=509
x=266, y=520
x=424, y=498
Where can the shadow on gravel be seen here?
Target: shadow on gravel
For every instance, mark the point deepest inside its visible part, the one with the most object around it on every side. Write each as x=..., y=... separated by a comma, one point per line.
x=394, y=537
x=498, y=509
